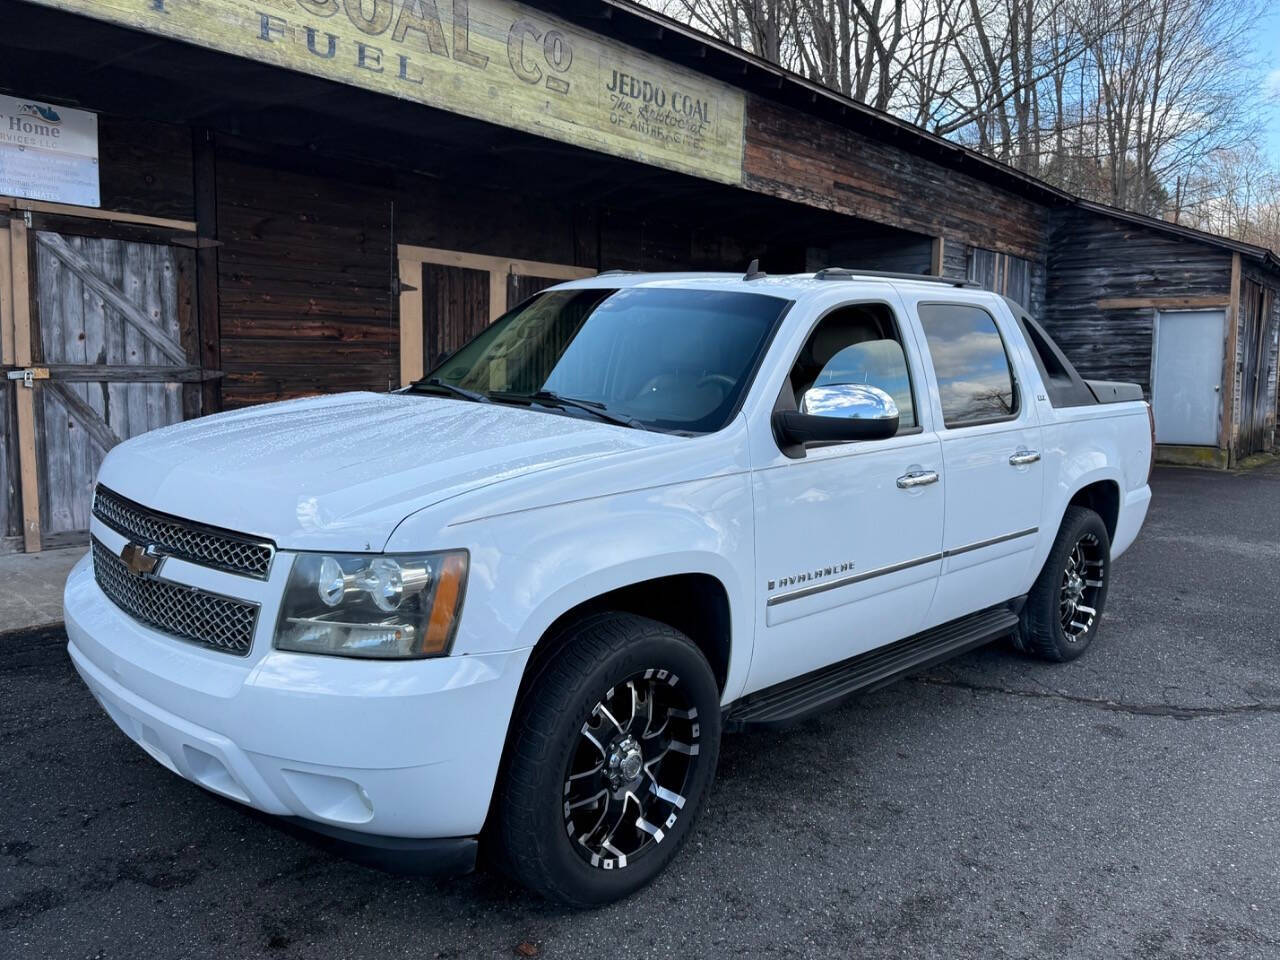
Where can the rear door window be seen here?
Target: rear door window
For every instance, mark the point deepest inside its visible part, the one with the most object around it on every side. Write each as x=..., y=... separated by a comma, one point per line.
x=975, y=378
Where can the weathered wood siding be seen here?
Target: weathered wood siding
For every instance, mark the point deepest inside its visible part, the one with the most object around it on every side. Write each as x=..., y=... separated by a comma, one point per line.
x=1094, y=258
x=304, y=284
x=1257, y=357
x=811, y=161
x=871, y=249
x=145, y=168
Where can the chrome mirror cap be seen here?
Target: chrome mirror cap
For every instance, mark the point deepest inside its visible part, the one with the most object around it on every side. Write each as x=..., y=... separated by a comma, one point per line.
x=849, y=401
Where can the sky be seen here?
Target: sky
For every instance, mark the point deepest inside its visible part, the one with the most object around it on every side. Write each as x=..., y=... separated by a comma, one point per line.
x=1267, y=47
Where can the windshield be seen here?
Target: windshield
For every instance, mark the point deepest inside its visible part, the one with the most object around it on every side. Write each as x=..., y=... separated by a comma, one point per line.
x=675, y=360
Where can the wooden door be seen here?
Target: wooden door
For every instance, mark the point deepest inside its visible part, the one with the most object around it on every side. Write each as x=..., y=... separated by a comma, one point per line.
x=448, y=296
x=113, y=323
x=455, y=307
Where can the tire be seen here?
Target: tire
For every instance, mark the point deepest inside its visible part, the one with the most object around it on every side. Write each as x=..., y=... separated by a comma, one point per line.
x=1064, y=608
x=570, y=740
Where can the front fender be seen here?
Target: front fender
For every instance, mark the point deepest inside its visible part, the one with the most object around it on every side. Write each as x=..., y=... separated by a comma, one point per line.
x=530, y=567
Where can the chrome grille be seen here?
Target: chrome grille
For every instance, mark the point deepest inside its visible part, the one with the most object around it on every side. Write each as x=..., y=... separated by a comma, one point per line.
x=218, y=622
x=207, y=546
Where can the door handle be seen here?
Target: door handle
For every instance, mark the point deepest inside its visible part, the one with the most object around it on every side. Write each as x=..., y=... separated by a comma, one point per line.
x=917, y=478
x=1023, y=457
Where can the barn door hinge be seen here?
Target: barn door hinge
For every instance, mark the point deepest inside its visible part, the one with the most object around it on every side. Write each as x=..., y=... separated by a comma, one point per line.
x=29, y=376
x=398, y=287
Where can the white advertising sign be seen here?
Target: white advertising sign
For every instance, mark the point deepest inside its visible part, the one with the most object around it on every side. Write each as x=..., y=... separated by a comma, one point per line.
x=48, y=152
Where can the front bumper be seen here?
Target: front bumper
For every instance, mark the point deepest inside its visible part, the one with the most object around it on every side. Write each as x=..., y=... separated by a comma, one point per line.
x=406, y=749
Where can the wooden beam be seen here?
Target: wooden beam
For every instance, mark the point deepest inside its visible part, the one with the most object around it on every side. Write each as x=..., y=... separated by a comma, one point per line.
x=24, y=398
x=129, y=373
x=83, y=414
x=208, y=311
x=1226, y=431
x=6, y=298
x=935, y=256
x=92, y=213
x=1210, y=302
x=410, y=321
x=497, y=294
x=503, y=265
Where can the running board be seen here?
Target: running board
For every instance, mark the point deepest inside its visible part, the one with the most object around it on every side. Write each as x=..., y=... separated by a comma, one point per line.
x=795, y=699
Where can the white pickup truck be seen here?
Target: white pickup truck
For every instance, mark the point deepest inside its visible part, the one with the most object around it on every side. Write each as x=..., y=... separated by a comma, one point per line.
x=513, y=606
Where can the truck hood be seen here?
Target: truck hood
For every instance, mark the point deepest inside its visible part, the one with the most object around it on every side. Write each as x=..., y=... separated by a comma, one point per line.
x=340, y=472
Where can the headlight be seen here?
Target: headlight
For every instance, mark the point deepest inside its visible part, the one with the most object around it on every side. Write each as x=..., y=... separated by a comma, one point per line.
x=379, y=606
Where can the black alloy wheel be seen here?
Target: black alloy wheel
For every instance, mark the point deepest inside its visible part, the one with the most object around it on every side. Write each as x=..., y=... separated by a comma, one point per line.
x=625, y=785
x=612, y=752
x=1064, y=608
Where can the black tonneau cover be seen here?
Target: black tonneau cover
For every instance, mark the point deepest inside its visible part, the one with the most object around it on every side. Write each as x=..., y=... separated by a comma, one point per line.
x=1114, y=391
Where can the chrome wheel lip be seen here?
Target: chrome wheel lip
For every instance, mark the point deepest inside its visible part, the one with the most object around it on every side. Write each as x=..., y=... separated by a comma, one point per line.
x=629, y=770
x=1083, y=580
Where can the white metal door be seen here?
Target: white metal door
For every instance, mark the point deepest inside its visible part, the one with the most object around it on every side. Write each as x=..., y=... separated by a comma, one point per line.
x=1186, y=379
x=993, y=479
x=848, y=558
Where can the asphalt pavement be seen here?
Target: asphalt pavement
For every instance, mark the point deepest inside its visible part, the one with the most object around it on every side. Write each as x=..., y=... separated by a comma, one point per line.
x=1124, y=805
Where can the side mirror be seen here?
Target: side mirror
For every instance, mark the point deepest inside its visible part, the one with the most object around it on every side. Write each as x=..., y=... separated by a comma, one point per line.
x=836, y=413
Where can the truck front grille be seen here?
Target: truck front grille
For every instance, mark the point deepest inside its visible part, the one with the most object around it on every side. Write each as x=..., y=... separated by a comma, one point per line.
x=207, y=546
x=214, y=621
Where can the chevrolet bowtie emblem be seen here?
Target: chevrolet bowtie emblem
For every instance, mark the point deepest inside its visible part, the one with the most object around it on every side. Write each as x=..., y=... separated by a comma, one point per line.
x=139, y=559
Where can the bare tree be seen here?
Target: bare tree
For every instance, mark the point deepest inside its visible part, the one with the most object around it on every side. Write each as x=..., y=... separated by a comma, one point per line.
x=1235, y=193
x=1130, y=102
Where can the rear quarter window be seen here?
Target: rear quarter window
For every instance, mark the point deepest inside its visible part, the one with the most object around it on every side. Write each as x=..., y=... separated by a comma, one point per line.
x=975, y=379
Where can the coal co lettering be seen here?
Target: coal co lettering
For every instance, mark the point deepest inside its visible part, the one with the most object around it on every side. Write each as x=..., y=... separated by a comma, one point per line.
x=534, y=55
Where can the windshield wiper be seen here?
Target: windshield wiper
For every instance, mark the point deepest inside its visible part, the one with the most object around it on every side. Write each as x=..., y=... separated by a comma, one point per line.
x=449, y=388
x=548, y=399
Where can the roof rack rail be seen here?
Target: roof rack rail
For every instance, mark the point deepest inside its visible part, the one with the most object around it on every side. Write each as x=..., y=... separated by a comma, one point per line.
x=615, y=272
x=845, y=273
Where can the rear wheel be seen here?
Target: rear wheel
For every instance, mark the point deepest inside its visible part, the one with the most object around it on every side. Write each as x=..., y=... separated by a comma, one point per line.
x=613, y=750
x=1064, y=608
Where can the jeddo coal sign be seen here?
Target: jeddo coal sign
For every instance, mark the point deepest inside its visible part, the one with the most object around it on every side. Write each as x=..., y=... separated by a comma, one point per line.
x=493, y=59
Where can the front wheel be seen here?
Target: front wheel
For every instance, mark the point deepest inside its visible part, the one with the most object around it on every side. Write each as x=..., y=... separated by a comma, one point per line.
x=613, y=750
x=1064, y=608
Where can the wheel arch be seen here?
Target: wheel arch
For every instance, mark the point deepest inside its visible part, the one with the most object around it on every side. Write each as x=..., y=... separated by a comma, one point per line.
x=694, y=602
x=1102, y=496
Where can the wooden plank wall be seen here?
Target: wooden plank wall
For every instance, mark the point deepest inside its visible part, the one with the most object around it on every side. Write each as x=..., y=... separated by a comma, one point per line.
x=306, y=267
x=871, y=249
x=1258, y=359
x=145, y=168
x=815, y=162
x=1095, y=261
x=304, y=284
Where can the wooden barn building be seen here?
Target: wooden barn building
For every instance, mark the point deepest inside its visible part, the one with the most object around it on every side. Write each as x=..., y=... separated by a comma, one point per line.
x=206, y=204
